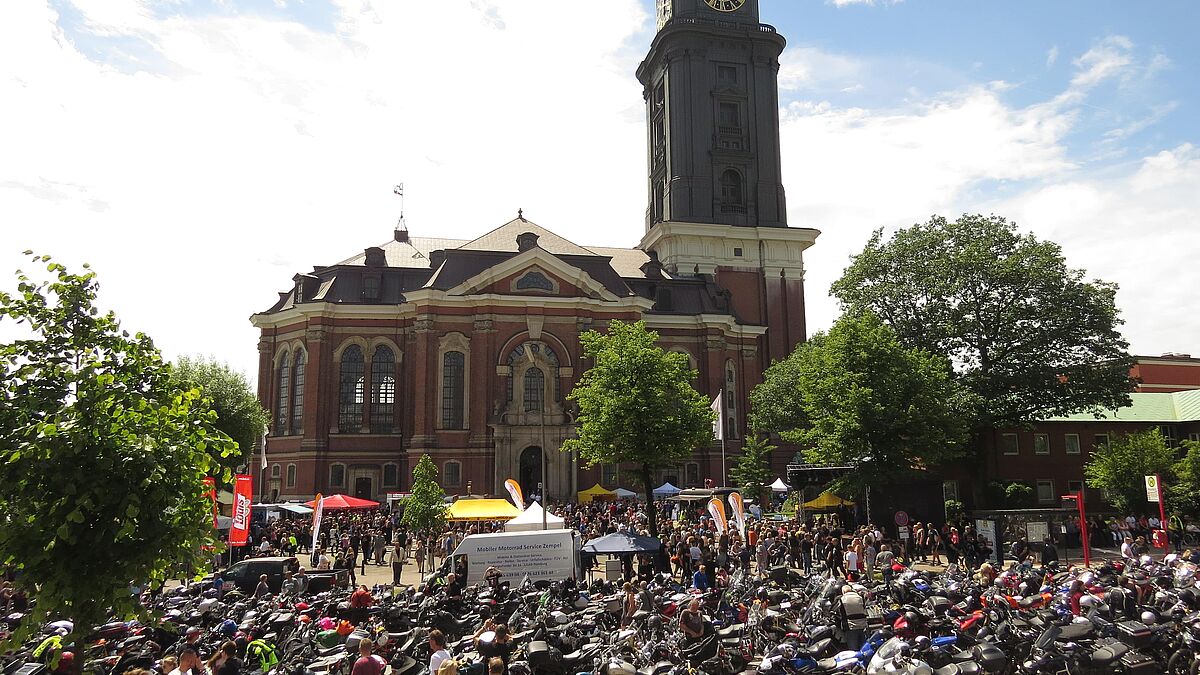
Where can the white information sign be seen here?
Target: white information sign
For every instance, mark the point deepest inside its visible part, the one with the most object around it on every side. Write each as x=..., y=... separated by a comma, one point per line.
x=1152, y=488
x=1036, y=532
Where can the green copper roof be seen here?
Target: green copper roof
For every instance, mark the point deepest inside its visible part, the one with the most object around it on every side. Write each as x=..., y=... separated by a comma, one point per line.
x=1160, y=407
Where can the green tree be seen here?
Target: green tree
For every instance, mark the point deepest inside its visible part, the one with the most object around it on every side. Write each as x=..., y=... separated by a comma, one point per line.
x=1029, y=336
x=1120, y=466
x=752, y=472
x=637, y=405
x=102, y=456
x=1183, y=489
x=425, y=509
x=239, y=414
x=856, y=396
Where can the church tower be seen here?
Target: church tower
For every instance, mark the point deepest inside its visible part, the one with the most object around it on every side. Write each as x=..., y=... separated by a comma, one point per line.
x=712, y=101
x=715, y=203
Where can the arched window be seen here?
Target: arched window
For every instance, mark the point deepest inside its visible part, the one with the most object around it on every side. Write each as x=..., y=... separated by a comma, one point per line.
x=531, y=351
x=391, y=475
x=535, y=389
x=274, y=471
x=383, y=390
x=350, y=410
x=452, y=473
x=453, y=369
x=282, y=392
x=291, y=476
x=298, y=394
x=731, y=187
x=731, y=397
x=337, y=475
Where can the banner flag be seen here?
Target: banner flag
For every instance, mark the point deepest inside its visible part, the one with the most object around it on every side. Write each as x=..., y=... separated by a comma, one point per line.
x=210, y=491
x=719, y=423
x=739, y=511
x=243, y=495
x=514, y=491
x=264, y=453
x=317, y=522
x=716, y=508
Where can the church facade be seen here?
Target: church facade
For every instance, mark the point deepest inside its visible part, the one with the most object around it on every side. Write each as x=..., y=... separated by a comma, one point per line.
x=466, y=350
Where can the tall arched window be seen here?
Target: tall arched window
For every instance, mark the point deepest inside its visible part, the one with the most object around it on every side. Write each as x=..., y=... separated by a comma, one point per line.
x=298, y=394
x=731, y=397
x=545, y=353
x=383, y=389
x=282, y=392
x=731, y=187
x=453, y=370
x=350, y=396
x=535, y=389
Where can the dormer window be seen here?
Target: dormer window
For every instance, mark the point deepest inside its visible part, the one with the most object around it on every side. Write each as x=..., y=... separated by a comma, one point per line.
x=727, y=74
x=370, y=288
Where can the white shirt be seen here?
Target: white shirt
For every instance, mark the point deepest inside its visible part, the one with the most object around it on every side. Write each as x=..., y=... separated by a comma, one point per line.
x=851, y=561
x=1127, y=550
x=1154, y=522
x=180, y=672
x=694, y=553
x=435, y=660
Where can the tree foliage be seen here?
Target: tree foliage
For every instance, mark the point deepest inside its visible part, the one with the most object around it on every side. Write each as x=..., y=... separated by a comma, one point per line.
x=425, y=509
x=1029, y=336
x=102, y=455
x=239, y=413
x=637, y=405
x=1183, y=491
x=752, y=472
x=856, y=396
x=1120, y=466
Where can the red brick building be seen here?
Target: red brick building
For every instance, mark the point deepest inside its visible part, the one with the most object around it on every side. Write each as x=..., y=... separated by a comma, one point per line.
x=1051, y=454
x=466, y=350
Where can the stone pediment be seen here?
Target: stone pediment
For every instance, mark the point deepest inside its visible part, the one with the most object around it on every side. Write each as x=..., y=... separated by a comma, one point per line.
x=535, y=272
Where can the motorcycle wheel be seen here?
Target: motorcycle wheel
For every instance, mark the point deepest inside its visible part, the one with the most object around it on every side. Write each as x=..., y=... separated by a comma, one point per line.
x=1182, y=662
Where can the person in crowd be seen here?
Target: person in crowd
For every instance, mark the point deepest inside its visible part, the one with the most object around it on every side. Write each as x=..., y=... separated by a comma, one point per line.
x=691, y=622
x=225, y=660
x=189, y=662
x=263, y=589
x=367, y=664
x=437, y=648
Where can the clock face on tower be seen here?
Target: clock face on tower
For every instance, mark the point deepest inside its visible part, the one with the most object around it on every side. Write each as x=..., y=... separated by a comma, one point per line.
x=725, y=5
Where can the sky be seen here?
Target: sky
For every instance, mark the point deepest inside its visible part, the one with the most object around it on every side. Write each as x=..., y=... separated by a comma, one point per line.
x=199, y=153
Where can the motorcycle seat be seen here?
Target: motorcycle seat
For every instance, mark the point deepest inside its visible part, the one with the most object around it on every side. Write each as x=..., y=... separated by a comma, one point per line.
x=1107, y=654
x=1074, y=632
x=733, y=630
x=827, y=665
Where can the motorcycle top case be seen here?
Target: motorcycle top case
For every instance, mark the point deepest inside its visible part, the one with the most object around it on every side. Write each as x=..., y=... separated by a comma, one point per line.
x=1137, y=662
x=1134, y=633
x=541, y=655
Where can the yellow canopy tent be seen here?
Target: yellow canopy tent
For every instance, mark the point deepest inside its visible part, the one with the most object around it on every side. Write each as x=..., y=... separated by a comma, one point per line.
x=482, y=509
x=596, y=493
x=827, y=500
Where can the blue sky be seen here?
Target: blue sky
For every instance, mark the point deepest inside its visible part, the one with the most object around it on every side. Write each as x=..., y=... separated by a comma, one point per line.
x=199, y=153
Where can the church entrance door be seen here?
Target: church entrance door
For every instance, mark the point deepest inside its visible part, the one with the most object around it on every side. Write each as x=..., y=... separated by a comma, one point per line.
x=362, y=488
x=530, y=472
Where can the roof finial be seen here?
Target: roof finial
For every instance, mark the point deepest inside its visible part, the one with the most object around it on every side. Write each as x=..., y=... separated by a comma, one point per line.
x=401, y=233
x=520, y=214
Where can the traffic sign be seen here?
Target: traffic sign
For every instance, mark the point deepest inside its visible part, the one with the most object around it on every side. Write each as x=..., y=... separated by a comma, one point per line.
x=901, y=518
x=1152, y=489
x=903, y=532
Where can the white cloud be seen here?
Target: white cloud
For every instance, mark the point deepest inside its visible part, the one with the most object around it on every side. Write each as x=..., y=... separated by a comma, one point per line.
x=263, y=139
x=1052, y=56
x=257, y=147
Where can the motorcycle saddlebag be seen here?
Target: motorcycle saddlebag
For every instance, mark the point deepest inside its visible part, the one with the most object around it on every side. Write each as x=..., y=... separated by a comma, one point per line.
x=541, y=654
x=875, y=618
x=1137, y=662
x=1134, y=633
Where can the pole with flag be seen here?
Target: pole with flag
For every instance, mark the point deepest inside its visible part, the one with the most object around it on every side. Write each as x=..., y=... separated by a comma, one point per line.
x=719, y=430
x=262, y=470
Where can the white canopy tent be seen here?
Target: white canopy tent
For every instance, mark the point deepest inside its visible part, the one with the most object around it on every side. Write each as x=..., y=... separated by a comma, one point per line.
x=666, y=490
x=779, y=486
x=531, y=519
x=622, y=493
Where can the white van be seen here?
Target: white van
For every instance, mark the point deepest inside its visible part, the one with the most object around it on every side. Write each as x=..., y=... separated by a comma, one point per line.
x=540, y=555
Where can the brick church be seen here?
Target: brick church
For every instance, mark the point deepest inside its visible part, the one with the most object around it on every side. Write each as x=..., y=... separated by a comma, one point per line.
x=466, y=350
